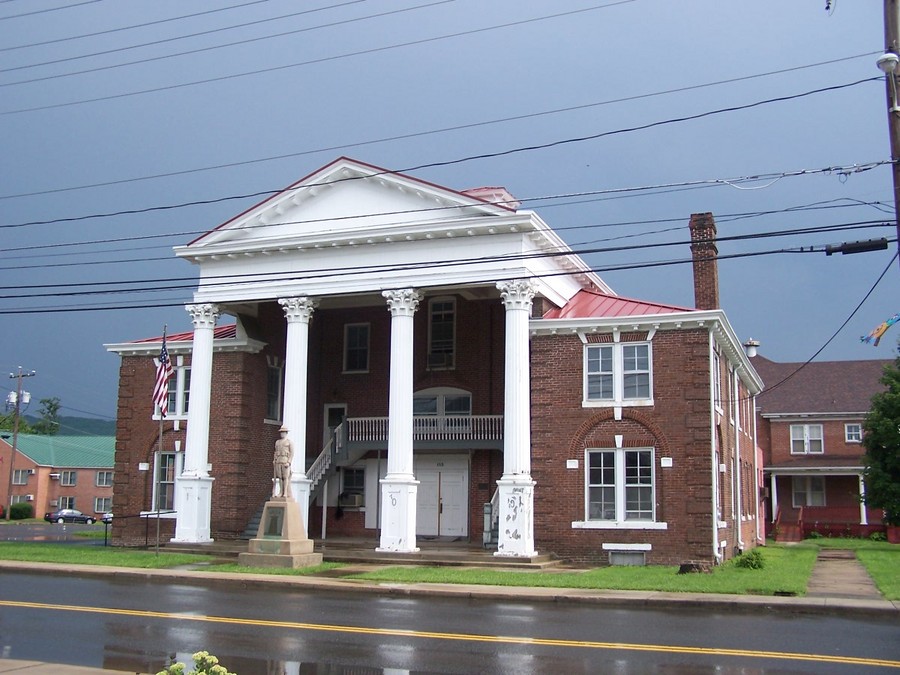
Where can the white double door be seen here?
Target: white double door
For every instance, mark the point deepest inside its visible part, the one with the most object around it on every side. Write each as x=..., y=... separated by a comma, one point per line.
x=442, y=496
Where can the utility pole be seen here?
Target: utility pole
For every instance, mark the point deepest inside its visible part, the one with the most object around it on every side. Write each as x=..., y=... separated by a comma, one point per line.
x=889, y=65
x=12, y=458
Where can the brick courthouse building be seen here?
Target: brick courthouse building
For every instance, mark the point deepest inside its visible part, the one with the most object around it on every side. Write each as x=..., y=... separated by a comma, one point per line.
x=431, y=352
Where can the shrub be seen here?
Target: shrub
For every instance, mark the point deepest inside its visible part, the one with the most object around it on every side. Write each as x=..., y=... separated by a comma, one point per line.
x=21, y=511
x=751, y=560
x=815, y=535
x=878, y=536
x=204, y=664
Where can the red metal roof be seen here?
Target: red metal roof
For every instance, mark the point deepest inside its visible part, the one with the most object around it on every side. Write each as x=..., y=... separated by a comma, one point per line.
x=586, y=303
x=219, y=333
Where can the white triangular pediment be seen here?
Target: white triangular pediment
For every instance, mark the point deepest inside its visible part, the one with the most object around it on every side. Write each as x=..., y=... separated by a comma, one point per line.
x=345, y=201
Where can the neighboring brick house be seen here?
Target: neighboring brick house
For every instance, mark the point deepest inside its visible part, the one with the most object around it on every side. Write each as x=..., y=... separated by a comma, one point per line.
x=57, y=472
x=432, y=351
x=810, y=426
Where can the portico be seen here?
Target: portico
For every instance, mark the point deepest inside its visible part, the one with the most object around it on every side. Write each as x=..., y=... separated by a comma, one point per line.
x=320, y=246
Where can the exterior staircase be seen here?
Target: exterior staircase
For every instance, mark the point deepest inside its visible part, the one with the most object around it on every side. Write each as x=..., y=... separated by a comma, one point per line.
x=788, y=531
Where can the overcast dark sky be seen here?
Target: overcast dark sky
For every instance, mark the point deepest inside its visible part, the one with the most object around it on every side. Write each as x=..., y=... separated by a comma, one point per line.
x=655, y=110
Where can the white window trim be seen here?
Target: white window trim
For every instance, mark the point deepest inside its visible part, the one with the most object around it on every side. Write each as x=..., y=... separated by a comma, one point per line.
x=347, y=326
x=588, y=524
x=178, y=381
x=22, y=474
x=453, y=353
x=618, y=372
x=179, y=466
x=847, y=438
x=806, y=437
x=97, y=499
x=64, y=482
x=275, y=363
x=97, y=482
x=807, y=491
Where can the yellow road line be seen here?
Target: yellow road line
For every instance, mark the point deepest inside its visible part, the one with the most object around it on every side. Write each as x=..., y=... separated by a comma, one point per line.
x=504, y=639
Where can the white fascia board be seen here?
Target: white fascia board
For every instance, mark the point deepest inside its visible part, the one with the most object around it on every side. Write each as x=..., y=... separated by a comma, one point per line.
x=367, y=233
x=712, y=320
x=813, y=416
x=814, y=470
x=184, y=347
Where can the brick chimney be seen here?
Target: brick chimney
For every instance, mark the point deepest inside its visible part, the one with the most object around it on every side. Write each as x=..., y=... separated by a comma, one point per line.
x=706, y=267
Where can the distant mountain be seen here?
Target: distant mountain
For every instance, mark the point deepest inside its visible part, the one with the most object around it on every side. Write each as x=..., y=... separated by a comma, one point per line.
x=81, y=426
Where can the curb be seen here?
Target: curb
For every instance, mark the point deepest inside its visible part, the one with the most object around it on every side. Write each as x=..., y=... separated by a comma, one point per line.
x=608, y=598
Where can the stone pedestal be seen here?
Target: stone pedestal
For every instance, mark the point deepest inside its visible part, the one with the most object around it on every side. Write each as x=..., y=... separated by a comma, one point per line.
x=281, y=540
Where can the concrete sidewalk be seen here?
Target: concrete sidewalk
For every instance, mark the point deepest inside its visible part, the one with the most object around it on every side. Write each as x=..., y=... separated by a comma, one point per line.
x=839, y=584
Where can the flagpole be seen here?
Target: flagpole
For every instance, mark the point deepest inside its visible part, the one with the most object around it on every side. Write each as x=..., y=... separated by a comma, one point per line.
x=158, y=478
x=161, y=397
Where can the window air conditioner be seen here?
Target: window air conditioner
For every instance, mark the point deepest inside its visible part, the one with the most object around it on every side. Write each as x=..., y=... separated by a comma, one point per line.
x=54, y=476
x=30, y=472
x=351, y=500
x=29, y=498
x=54, y=502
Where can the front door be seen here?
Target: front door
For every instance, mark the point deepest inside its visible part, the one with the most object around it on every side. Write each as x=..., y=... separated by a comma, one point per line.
x=442, y=497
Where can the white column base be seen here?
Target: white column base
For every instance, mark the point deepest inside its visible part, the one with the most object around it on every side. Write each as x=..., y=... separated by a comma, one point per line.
x=301, y=487
x=516, y=502
x=398, y=514
x=193, y=499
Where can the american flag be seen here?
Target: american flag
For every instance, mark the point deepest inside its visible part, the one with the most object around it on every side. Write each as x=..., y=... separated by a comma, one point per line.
x=163, y=373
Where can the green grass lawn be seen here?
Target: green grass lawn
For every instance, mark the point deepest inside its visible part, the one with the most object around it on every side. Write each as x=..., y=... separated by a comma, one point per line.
x=786, y=569
x=73, y=554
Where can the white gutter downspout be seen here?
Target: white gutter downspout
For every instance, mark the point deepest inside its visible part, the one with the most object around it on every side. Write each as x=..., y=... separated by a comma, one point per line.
x=738, y=429
x=712, y=450
x=759, y=535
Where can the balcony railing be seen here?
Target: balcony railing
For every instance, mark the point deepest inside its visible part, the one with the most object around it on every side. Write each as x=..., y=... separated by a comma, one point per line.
x=430, y=428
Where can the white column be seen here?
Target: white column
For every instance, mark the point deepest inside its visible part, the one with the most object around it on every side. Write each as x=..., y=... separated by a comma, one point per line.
x=863, y=514
x=193, y=487
x=773, y=492
x=399, y=486
x=515, y=487
x=298, y=312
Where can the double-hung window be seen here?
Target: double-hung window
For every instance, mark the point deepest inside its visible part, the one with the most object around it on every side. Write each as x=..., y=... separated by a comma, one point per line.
x=179, y=392
x=104, y=479
x=20, y=476
x=356, y=348
x=441, y=333
x=853, y=433
x=620, y=488
x=67, y=478
x=102, y=504
x=808, y=491
x=274, y=377
x=807, y=439
x=618, y=374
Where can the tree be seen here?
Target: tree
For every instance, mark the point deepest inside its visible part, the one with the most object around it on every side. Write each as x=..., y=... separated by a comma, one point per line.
x=48, y=425
x=881, y=439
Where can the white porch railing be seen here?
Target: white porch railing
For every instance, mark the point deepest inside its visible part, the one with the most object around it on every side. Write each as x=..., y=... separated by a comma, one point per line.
x=430, y=428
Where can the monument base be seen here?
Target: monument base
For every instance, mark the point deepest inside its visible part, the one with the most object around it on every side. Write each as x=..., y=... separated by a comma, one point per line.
x=281, y=540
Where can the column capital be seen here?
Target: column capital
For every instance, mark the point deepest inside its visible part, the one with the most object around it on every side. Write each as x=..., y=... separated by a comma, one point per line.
x=402, y=302
x=203, y=315
x=517, y=294
x=298, y=309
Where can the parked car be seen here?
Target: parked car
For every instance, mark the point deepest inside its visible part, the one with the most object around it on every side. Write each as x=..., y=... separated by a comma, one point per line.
x=69, y=516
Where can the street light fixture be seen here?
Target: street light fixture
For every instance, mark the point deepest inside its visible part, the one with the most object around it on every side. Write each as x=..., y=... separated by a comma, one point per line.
x=887, y=63
x=12, y=458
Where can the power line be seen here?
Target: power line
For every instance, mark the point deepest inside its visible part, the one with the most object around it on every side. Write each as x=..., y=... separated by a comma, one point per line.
x=460, y=127
x=133, y=26
x=720, y=218
x=200, y=50
x=114, y=287
x=835, y=334
x=609, y=268
x=531, y=148
x=364, y=52
x=45, y=11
